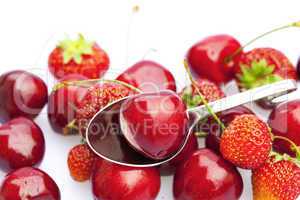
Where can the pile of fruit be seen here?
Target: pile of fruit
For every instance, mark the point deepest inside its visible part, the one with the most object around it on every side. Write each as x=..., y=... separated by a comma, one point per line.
x=235, y=138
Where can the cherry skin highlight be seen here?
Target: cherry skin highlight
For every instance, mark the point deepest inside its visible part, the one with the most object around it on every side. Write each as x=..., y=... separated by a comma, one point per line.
x=155, y=124
x=205, y=175
x=25, y=95
x=30, y=184
x=148, y=76
x=212, y=59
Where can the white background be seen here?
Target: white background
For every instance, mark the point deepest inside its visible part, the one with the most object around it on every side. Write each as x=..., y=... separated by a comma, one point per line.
x=30, y=29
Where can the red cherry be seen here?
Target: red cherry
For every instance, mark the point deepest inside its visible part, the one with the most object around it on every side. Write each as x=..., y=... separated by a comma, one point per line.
x=284, y=120
x=22, y=143
x=205, y=175
x=298, y=68
x=63, y=103
x=190, y=147
x=30, y=184
x=22, y=94
x=148, y=76
x=115, y=182
x=208, y=58
x=155, y=124
x=212, y=141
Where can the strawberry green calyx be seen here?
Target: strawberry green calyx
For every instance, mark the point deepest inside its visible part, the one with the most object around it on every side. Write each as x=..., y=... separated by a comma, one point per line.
x=294, y=148
x=189, y=99
x=75, y=49
x=280, y=157
x=258, y=74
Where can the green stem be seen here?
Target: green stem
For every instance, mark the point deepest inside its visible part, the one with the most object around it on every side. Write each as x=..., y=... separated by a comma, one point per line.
x=295, y=148
x=294, y=24
x=82, y=82
x=209, y=109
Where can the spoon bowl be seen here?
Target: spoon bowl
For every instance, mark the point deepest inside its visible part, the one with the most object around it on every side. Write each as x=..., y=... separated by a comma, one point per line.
x=106, y=138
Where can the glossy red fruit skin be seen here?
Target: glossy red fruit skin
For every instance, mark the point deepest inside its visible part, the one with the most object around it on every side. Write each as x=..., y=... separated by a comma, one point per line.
x=155, y=124
x=25, y=95
x=205, y=175
x=189, y=149
x=62, y=103
x=212, y=141
x=115, y=182
x=22, y=143
x=207, y=58
x=149, y=76
x=30, y=184
x=298, y=68
x=284, y=120
x=92, y=66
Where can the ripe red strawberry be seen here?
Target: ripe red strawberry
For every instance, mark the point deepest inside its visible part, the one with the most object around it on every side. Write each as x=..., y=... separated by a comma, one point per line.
x=246, y=142
x=262, y=66
x=78, y=57
x=96, y=98
x=277, y=180
x=208, y=89
x=81, y=162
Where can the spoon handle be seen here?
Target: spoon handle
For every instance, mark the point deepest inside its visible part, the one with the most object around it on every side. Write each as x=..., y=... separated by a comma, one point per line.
x=271, y=90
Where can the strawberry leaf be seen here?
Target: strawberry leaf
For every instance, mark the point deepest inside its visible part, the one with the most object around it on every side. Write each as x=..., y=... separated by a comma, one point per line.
x=75, y=49
x=257, y=74
x=190, y=99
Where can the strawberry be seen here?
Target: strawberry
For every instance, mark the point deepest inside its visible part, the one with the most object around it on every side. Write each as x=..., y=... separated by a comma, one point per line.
x=81, y=162
x=262, y=66
x=246, y=142
x=277, y=179
x=98, y=97
x=78, y=57
x=209, y=90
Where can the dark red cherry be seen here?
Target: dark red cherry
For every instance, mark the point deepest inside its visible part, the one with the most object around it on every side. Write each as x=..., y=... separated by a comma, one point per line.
x=155, y=124
x=115, y=182
x=22, y=143
x=29, y=184
x=190, y=147
x=205, y=175
x=21, y=94
x=209, y=58
x=63, y=103
x=298, y=68
x=212, y=141
x=148, y=76
x=284, y=120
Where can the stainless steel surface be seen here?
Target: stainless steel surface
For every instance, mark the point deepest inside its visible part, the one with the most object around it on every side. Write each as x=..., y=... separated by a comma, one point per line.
x=113, y=146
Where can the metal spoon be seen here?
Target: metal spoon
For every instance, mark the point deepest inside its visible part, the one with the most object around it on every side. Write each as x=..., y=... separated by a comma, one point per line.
x=105, y=137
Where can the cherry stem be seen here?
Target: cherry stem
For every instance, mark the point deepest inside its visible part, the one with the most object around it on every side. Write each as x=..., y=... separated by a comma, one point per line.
x=195, y=84
x=201, y=134
x=294, y=24
x=82, y=82
x=295, y=148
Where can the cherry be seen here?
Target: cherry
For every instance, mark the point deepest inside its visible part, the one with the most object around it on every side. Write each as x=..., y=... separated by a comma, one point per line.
x=63, y=103
x=190, y=147
x=115, y=182
x=22, y=94
x=154, y=124
x=211, y=58
x=22, y=143
x=212, y=141
x=148, y=76
x=298, y=68
x=284, y=120
x=30, y=184
x=205, y=175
